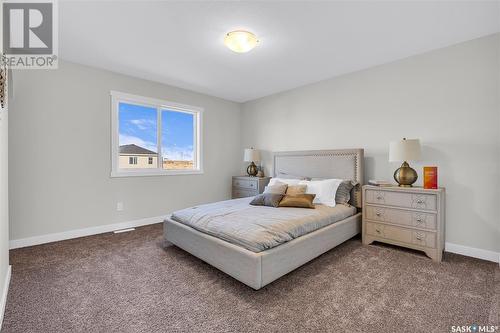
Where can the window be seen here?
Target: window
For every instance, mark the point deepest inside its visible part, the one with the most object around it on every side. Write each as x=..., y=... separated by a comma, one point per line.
x=154, y=137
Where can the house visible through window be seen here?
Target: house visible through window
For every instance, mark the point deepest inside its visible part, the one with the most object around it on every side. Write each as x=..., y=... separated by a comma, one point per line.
x=153, y=137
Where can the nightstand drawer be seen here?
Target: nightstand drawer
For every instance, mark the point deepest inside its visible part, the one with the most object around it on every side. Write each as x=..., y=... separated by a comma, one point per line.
x=245, y=183
x=402, y=199
x=400, y=234
x=244, y=186
x=403, y=217
x=242, y=193
x=424, y=238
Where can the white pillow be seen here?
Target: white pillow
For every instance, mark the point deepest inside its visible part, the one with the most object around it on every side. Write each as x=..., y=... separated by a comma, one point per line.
x=325, y=190
x=287, y=181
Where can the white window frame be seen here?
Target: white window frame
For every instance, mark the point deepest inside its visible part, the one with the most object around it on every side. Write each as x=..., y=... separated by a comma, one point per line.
x=158, y=104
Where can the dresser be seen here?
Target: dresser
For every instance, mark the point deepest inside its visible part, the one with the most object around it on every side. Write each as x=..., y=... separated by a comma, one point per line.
x=412, y=217
x=245, y=186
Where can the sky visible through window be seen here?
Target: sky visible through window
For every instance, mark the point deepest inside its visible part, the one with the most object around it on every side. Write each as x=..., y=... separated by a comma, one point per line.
x=138, y=125
x=177, y=135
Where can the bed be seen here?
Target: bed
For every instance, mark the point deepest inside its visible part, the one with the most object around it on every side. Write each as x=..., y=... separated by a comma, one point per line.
x=257, y=265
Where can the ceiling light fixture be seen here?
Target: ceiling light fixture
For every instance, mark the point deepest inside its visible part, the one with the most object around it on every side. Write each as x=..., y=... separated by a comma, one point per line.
x=240, y=41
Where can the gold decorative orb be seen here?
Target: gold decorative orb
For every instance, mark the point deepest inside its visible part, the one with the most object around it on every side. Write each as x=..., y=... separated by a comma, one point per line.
x=405, y=176
x=252, y=170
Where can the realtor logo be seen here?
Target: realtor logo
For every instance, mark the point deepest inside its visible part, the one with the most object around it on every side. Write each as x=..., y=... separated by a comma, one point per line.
x=29, y=34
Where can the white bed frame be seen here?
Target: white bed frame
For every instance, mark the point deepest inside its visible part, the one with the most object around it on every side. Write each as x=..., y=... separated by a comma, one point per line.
x=259, y=269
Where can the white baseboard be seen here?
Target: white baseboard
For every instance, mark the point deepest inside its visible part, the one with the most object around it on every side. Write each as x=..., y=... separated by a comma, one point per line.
x=472, y=252
x=49, y=238
x=3, y=296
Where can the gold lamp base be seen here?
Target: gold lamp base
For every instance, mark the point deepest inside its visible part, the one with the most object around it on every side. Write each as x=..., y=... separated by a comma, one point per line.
x=405, y=176
x=252, y=170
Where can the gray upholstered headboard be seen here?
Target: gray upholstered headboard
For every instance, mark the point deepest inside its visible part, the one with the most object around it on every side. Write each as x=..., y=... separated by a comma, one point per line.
x=341, y=163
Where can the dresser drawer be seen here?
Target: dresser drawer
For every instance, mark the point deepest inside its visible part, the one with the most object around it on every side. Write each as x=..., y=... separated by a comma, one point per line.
x=402, y=199
x=251, y=184
x=424, y=238
x=400, y=234
x=400, y=216
x=242, y=193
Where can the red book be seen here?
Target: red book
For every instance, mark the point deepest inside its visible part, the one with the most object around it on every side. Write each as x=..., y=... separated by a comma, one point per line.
x=430, y=177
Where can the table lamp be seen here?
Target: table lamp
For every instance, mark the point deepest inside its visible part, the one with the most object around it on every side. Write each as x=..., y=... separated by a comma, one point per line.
x=404, y=151
x=252, y=155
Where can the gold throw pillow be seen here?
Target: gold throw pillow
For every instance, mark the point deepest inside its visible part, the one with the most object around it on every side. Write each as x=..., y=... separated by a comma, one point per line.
x=296, y=189
x=299, y=201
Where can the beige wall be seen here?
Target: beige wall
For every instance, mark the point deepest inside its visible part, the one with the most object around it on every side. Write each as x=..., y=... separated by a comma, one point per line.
x=448, y=98
x=142, y=162
x=4, y=206
x=66, y=113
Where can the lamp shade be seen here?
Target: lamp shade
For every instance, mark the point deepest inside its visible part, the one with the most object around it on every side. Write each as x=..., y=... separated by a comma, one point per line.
x=404, y=150
x=251, y=155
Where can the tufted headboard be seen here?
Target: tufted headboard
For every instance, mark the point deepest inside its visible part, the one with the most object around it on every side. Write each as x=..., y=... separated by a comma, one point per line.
x=341, y=163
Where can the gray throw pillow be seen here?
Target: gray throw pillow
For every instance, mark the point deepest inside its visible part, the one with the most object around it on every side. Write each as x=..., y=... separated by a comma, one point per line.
x=277, y=188
x=343, y=194
x=267, y=199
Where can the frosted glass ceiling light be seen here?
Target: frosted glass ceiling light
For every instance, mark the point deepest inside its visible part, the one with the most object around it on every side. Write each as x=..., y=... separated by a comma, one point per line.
x=240, y=41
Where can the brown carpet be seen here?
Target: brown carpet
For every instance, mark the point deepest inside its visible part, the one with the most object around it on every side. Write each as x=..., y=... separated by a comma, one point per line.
x=128, y=283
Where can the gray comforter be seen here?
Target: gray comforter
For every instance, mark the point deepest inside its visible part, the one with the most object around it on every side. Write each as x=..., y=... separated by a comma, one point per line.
x=258, y=228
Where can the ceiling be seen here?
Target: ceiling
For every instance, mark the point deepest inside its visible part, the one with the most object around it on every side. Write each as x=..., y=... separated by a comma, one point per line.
x=181, y=43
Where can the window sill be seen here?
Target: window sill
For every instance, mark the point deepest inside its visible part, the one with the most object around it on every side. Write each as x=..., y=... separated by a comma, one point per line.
x=143, y=173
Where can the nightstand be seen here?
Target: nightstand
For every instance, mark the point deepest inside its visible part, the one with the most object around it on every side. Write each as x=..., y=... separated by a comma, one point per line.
x=245, y=186
x=405, y=216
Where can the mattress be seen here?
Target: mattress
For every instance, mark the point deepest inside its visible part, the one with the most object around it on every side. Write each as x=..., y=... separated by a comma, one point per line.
x=259, y=228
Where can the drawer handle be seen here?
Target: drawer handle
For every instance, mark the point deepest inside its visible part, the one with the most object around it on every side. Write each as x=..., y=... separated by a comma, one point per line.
x=378, y=214
x=378, y=231
x=419, y=236
x=419, y=220
x=420, y=202
x=379, y=198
